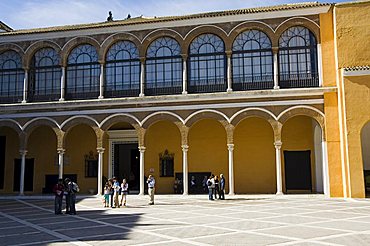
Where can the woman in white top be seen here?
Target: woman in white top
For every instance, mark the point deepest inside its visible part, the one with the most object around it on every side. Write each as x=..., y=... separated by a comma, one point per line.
x=124, y=192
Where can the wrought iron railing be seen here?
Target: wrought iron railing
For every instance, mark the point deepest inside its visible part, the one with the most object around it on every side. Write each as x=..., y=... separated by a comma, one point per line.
x=10, y=98
x=301, y=80
x=122, y=93
x=167, y=88
x=82, y=93
x=253, y=83
x=207, y=86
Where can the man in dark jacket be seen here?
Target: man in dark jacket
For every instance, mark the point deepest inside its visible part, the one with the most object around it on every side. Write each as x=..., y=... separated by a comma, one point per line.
x=222, y=187
x=58, y=191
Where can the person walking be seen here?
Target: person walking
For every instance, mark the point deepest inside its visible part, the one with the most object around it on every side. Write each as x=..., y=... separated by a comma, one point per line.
x=151, y=188
x=222, y=187
x=124, y=192
x=58, y=191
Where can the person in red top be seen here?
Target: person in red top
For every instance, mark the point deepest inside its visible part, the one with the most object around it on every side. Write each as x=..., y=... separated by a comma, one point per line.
x=58, y=191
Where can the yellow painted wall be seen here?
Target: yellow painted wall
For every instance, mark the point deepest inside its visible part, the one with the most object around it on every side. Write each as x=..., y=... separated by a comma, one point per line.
x=42, y=146
x=254, y=157
x=297, y=134
x=11, y=152
x=327, y=49
x=353, y=34
x=333, y=144
x=161, y=136
x=80, y=140
x=357, y=101
x=208, y=149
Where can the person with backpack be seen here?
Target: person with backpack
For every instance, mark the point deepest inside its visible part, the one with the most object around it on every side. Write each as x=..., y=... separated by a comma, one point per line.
x=58, y=191
x=72, y=188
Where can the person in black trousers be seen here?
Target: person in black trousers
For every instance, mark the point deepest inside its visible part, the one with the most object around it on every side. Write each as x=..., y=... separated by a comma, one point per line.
x=222, y=187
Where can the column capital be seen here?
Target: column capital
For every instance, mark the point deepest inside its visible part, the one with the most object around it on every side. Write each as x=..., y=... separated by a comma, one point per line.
x=61, y=150
x=185, y=148
x=100, y=150
x=184, y=56
x=142, y=59
x=278, y=144
x=275, y=50
x=228, y=53
x=230, y=147
x=101, y=62
x=23, y=152
x=142, y=149
x=26, y=68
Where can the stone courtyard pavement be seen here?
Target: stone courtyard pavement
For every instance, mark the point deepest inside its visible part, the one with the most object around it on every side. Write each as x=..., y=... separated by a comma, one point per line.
x=189, y=220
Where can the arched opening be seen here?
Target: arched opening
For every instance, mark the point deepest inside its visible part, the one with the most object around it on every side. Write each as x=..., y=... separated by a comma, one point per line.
x=254, y=157
x=9, y=151
x=163, y=155
x=302, y=156
x=365, y=146
x=123, y=157
x=208, y=152
x=42, y=155
x=81, y=158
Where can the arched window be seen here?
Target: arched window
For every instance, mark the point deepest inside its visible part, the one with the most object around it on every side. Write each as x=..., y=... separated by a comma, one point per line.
x=298, y=58
x=122, y=70
x=207, y=64
x=163, y=67
x=252, y=61
x=83, y=73
x=11, y=77
x=44, y=78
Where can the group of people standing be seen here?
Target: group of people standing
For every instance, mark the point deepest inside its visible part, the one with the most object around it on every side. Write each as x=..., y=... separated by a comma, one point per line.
x=216, y=186
x=112, y=192
x=69, y=189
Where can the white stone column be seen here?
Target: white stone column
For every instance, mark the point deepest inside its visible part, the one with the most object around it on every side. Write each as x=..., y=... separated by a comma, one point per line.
x=142, y=166
x=319, y=67
x=101, y=82
x=184, y=75
x=62, y=84
x=325, y=172
x=185, y=149
x=229, y=74
x=25, y=85
x=279, y=178
x=23, y=154
x=142, y=77
x=276, y=68
x=230, y=148
x=60, y=162
x=100, y=170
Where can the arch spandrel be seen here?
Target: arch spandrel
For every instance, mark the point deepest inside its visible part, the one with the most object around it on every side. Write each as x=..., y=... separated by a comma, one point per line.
x=205, y=114
x=304, y=111
x=158, y=34
x=158, y=116
x=12, y=124
x=253, y=25
x=117, y=118
x=68, y=124
x=73, y=43
x=33, y=48
x=206, y=29
x=111, y=40
x=298, y=21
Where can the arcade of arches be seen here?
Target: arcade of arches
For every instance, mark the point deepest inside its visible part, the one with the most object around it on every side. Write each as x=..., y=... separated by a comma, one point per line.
x=256, y=153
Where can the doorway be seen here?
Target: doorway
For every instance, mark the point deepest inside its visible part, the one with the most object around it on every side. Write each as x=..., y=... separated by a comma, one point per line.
x=126, y=164
x=28, y=174
x=298, y=171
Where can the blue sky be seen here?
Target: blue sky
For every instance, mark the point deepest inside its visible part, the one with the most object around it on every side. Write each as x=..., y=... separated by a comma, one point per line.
x=24, y=14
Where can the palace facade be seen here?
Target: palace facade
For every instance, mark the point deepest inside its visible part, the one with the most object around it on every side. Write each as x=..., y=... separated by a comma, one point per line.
x=275, y=98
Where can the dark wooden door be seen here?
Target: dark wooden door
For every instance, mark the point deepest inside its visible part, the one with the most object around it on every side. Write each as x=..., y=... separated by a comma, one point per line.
x=28, y=174
x=298, y=170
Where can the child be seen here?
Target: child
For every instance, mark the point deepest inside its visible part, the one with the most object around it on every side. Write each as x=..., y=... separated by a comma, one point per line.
x=106, y=194
x=124, y=192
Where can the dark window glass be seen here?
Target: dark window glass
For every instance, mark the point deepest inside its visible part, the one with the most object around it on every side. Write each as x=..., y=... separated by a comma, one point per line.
x=298, y=58
x=163, y=67
x=11, y=77
x=207, y=64
x=122, y=70
x=166, y=164
x=83, y=72
x=252, y=61
x=45, y=75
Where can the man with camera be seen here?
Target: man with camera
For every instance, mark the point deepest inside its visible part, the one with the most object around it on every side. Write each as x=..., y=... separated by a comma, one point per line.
x=151, y=188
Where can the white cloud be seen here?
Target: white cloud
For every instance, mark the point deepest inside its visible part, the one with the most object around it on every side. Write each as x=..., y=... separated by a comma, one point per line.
x=20, y=14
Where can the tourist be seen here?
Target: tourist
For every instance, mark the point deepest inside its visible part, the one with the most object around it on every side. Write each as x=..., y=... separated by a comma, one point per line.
x=151, y=188
x=222, y=187
x=72, y=188
x=107, y=189
x=117, y=190
x=58, y=191
x=211, y=186
x=124, y=192
x=216, y=190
